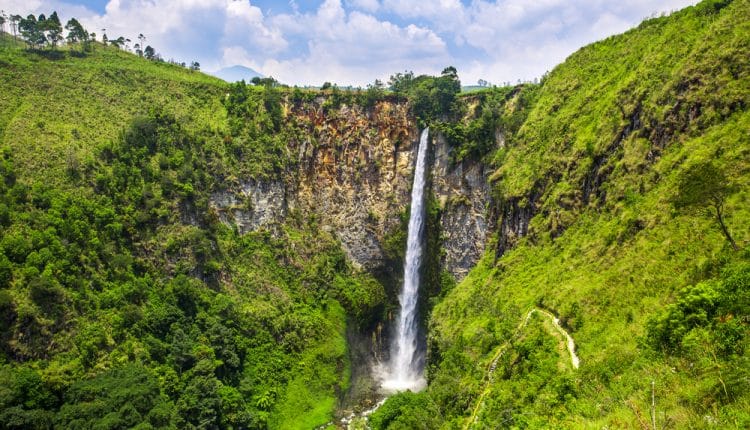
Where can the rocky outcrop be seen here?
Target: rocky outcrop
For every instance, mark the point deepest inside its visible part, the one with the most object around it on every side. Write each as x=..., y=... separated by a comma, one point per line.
x=464, y=195
x=252, y=205
x=354, y=168
x=514, y=217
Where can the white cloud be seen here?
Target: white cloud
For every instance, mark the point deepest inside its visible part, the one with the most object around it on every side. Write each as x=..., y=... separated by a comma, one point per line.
x=354, y=47
x=26, y=7
x=356, y=41
x=246, y=24
x=521, y=40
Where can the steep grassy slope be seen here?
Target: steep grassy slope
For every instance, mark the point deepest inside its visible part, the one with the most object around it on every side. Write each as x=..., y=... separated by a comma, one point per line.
x=594, y=171
x=67, y=104
x=124, y=301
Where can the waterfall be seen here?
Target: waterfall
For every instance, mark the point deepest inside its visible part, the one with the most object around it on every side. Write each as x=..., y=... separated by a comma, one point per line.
x=405, y=370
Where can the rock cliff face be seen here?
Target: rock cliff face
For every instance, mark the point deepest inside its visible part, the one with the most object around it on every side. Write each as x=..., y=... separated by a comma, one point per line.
x=252, y=205
x=353, y=171
x=464, y=195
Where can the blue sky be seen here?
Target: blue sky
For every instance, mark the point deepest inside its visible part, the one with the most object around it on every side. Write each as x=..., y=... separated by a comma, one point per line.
x=354, y=42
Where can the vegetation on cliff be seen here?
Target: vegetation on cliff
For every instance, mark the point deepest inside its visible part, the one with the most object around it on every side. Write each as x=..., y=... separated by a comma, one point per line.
x=620, y=198
x=124, y=301
x=620, y=192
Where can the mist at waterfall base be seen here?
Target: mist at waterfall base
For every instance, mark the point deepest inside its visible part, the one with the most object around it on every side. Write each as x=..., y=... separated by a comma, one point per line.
x=405, y=370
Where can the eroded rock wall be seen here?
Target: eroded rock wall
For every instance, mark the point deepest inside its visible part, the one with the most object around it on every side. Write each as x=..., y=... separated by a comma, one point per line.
x=354, y=168
x=463, y=192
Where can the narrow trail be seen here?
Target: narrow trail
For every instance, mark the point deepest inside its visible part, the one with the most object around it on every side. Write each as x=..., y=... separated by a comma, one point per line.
x=570, y=344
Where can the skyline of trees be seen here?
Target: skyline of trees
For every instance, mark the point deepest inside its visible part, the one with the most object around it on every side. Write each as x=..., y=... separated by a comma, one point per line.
x=40, y=32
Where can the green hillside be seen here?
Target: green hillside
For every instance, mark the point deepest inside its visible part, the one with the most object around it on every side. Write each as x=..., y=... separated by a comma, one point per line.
x=620, y=192
x=124, y=301
x=650, y=289
x=70, y=104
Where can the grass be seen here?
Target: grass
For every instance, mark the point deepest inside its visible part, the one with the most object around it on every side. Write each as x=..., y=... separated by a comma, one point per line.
x=72, y=105
x=111, y=255
x=108, y=163
x=635, y=110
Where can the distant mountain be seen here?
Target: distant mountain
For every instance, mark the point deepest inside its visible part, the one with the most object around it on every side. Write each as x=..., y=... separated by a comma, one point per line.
x=236, y=73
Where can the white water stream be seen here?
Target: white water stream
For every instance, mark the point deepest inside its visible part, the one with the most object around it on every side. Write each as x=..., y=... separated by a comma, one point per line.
x=405, y=369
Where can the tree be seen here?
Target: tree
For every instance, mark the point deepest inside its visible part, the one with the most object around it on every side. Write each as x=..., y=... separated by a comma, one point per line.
x=704, y=186
x=450, y=76
x=30, y=31
x=142, y=38
x=77, y=34
x=430, y=97
x=123, y=397
x=268, y=82
x=53, y=29
x=149, y=52
x=195, y=65
x=3, y=19
x=14, y=21
x=119, y=42
x=138, y=50
x=75, y=30
x=374, y=92
x=401, y=82
x=41, y=28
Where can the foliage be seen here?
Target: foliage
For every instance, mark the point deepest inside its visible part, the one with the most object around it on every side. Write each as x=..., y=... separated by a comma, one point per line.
x=610, y=140
x=497, y=114
x=126, y=397
x=720, y=306
x=124, y=301
x=431, y=98
x=255, y=121
x=406, y=410
x=705, y=185
x=124, y=275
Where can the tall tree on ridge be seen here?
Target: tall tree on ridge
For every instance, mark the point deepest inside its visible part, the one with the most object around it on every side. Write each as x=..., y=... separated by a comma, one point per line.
x=706, y=186
x=14, y=20
x=53, y=29
x=30, y=31
x=76, y=33
x=119, y=42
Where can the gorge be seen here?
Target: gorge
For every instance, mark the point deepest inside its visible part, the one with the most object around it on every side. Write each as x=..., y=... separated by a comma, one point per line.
x=180, y=252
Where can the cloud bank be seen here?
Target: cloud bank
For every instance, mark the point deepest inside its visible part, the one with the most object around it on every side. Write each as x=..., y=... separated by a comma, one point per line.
x=354, y=42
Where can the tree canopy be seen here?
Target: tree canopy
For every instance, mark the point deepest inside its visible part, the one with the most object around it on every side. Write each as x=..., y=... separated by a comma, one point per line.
x=705, y=185
x=431, y=97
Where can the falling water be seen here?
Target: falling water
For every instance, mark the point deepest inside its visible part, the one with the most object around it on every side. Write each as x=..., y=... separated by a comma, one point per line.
x=405, y=367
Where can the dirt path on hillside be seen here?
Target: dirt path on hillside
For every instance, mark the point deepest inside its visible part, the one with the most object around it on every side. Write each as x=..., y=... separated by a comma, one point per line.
x=569, y=343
